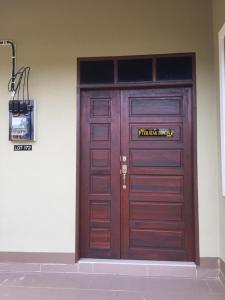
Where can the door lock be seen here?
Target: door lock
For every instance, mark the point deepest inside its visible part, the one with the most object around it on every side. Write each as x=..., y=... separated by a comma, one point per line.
x=124, y=174
x=123, y=158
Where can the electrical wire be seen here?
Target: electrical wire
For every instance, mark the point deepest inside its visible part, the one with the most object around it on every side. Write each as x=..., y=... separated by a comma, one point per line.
x=28, y=77
x=13, y=47
x=21, y=81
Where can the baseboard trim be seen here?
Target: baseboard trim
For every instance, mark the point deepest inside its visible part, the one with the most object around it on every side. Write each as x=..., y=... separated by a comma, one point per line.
x=222, y=267
x=37, y=257
x=210, y=262
x=209, y=268
x=222, y=271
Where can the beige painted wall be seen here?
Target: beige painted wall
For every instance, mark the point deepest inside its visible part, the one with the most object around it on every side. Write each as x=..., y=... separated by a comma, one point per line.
x=218, y=21
x=37, y=193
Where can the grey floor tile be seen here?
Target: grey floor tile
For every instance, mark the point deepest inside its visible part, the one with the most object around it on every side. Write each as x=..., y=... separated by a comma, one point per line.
x=95, y=295
x=133, y=296
x=167, y=296
x=191, y=296
x=47, y=280
x=178, y=286
x=42, y=286
x=148, y=296
x=216, y=287
x=119, y=283
x=5, y=276
x=24, y=293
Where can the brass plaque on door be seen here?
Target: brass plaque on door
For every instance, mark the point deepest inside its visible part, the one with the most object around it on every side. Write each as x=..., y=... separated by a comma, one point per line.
x=154, y=132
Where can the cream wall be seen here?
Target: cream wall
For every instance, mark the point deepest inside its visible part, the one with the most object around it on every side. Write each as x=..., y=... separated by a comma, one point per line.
x=37, y=193
x=218, y=21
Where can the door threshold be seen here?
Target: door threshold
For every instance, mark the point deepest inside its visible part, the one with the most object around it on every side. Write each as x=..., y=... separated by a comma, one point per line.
x=137, y=262
x=138, y=267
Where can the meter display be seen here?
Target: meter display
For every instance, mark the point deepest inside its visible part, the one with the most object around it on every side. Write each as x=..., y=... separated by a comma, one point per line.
x=21, y=120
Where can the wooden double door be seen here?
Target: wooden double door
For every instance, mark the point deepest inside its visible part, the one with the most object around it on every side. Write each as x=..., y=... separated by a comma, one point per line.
x=136, y=174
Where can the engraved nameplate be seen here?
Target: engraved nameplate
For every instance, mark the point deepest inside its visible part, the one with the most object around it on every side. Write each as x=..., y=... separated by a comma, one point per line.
x=154, y=132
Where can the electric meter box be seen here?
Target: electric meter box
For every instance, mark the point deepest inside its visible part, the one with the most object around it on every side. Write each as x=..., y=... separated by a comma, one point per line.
x=22, y=120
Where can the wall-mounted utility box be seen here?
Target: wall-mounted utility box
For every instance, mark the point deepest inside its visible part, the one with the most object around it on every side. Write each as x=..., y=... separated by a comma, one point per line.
x=21, y=120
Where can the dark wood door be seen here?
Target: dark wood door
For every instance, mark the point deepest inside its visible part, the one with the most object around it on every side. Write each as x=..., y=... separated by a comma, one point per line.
x=100, y=174
x=157, y=207
x=153, y=217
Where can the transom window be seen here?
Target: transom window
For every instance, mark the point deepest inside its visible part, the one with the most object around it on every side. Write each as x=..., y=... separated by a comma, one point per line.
x=137, y=69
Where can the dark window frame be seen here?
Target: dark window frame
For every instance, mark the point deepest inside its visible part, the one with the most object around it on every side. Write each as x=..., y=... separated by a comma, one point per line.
x=153, y=82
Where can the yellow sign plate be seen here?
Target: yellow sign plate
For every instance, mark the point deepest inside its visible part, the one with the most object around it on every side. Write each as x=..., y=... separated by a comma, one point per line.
x=154, y=132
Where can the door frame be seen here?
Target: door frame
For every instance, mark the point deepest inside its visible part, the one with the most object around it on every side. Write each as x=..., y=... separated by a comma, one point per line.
x=164, y=84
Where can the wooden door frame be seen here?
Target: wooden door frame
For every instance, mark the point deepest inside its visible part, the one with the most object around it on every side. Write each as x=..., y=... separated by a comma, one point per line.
x=174, y=84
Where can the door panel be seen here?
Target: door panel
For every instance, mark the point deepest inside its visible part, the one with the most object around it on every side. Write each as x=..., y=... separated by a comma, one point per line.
x=153, y=218
x=158, y=158
x=100, y=169
x=156, y=211
x=157, y=207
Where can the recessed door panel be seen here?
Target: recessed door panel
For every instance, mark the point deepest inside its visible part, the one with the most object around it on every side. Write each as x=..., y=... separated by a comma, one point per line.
x=158, y=158
x=151, y=106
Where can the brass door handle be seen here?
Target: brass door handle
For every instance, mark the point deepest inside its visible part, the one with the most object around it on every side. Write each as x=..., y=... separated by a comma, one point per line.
x=124, y=174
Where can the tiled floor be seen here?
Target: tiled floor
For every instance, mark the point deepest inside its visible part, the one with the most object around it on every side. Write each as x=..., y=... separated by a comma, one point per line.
x=44, y=286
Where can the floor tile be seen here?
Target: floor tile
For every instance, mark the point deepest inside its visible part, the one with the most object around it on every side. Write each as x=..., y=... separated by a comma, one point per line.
x=22, y=293
x=122, y=269
x=95, y=295
x=148, y=296
x=177, y=285
x=59, y=286
x=133, y=296
x=59, y=268
x=119, y=283
x=207, y=273
x=191, y=296
x=47, y=280
x=216, y=286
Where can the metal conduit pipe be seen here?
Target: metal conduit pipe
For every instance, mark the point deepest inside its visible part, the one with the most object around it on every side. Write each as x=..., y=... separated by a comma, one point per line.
x=10, y=43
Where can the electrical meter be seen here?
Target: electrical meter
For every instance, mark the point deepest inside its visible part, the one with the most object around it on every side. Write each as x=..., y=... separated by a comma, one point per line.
x=21, y=120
